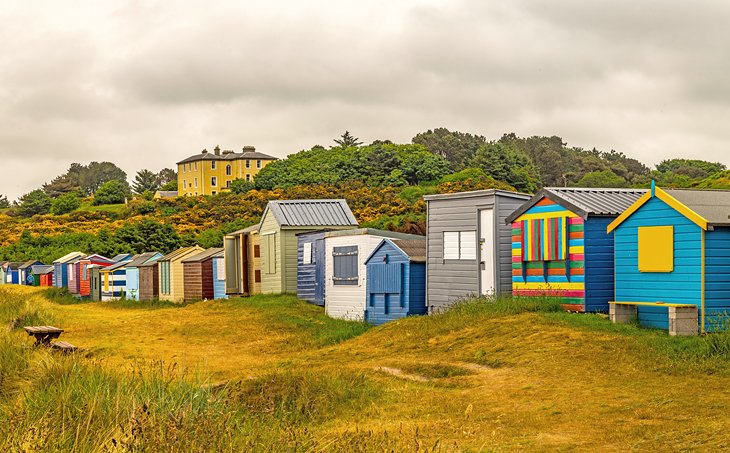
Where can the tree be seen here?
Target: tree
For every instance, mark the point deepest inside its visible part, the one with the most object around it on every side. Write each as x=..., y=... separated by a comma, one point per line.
x=347, y=140
x=94, y=175
x=62, y=185
x=34, y=202
x=504, y=163
x=148, y=235
x=4, y=203
x=602, y=178
x=169, y=186
x=111, y=192
x=65, y=204
x=692, y=168
x=456, y=147
x=145, y=181
x=420, y=166
x=240, y=186
x=167, y=176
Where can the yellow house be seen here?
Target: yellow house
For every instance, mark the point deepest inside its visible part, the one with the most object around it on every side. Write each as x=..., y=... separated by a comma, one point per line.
x=210, y=173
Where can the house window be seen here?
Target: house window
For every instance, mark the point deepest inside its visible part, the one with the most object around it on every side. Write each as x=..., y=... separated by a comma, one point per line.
x=229, y=171
x=196, y=184
x=212, y=165
x=213, y=192
x=213, y=181
x=183, y=168
x=228, y=183
x=656, y=249
x=270, y=259
x=248, y=163
x=248, y=178
x=184, y=184
x=307, y=253
x=258, y=163
x=196, y=165
x=345, y=265
x=460, y=245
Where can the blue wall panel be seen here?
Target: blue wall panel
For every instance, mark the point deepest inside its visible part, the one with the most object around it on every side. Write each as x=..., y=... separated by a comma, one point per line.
x=599, y=269
x=310, y=277
x=717, y=278
x=219, y=285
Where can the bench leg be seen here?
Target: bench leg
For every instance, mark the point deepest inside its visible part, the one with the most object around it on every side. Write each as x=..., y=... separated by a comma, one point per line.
x=622, y=313
x=683, y=321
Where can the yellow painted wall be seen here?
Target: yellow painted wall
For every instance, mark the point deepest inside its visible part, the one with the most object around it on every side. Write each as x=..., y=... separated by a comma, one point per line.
x=177, y=277
x=203, y=171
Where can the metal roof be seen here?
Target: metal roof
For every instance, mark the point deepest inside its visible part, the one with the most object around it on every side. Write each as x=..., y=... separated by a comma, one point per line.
x=415, y=249
x=204, y=255
x=69, y=257
x=13, y=266
x=294, y=213
x=122, y=257
x=141, y=259
x=372, y=232
x=713, y=205
x=39, y=269
x=584, y=201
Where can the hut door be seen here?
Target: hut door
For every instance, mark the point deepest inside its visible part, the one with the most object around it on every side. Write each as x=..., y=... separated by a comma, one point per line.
x=319, y=279
x=486, y=251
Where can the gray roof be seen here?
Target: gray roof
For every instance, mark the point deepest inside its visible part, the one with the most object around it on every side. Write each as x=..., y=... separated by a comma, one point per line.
x=122, y=257
x=585, y=201
x=476, y=194
x=166, y=193
x=248, y=153
x=713, y=205
x=294, y=213
x=415, y=249
x=373, y=232
x=141, y=259
x=40, y=269
x=13, y=266
x=204, y=255
x=28, y=264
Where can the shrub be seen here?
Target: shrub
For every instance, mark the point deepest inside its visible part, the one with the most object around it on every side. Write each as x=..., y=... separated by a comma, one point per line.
x=111, y=192
x=65, y=204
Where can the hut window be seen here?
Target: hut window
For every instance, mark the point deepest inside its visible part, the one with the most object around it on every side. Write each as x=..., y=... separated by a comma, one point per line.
x=460, y=245
x=213, y=181
x=257, y=276
x=656, y=249
x=270, y=241
x=345, y=265
x=212, y=165
x=307, y=253
x=228, y=170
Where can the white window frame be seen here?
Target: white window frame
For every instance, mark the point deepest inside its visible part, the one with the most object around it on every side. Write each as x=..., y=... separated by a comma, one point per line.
x=248, y=163
x=212, y=165
x=214, y=181
x=307, y=253
x=258, y=163
x=465, y=245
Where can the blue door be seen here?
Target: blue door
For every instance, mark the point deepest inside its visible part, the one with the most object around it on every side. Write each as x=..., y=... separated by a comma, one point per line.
x=319, y=257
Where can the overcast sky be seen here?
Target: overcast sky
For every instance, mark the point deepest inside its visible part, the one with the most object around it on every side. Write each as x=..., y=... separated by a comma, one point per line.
x=145, y=84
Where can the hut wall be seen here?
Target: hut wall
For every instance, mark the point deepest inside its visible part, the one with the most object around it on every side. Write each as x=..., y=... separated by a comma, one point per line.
x=310, y=275
x=717, y=277
x=132, y=283
x=193, y=275
x=599, y=281
x=271, y=268
x=219, y=278
x=149, y=281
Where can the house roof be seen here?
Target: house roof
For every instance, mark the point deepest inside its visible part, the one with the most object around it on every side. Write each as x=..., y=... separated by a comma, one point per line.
x=293, y=213
x=204, y=255
x=179, y=252
x=372, y=232
x=141, y=259
x=706, y=208
x=415, y=249
x=41, y=269
x=584, y=201
x=248, y=152
x=28, y=264
x=477, y=194
x=166, y=193
x=69, y=257
x=251, y=229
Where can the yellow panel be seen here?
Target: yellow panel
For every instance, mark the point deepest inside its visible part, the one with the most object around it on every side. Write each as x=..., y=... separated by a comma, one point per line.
x=656, y=249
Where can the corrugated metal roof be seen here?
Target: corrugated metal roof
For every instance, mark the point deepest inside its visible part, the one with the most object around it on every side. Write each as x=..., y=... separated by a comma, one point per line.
x=585, y=201
x=69, y=257
x=415, y=249
x=141, y=259
x=311, y=213
x=713, y=205
x=202, y=256
x=40, y=269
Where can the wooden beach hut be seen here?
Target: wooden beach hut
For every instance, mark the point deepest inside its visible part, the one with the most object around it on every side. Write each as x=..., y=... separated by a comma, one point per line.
x=149, y=281
x=172, y=275
x=310, y=267
x=280, y=223
x=94, y=271
x=672, y=250
x=133, y=272
x=396, y=280
x=198, y=275
x=469, y=245
x=3, y=272
x=560, y=247
x=43, y=275
x=26, y=272
x=114, y=279
x=12, y=274
x=83, y=276
x=345, y=271
x=219, y=276
x=242, y=255
x=60, y=270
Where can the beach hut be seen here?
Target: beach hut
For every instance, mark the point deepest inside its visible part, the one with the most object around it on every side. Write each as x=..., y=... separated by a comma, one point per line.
x=43, y=275
x=94, y=271
x=345, y=272
x=60, y=270
x=469, y=245
x=26, y=272
x=73, y=274
x=3, y=272
x=83, y=276
x=672, y=250
x=12, y=274
x=242, y=255
x=280, y=223
x=133, y=273
x=149, y=281
x=560, y=247
x=219, y=276
x=114, y=279
x=396, y=280
x=198, y=275
x=310, y=267
x=171, y=273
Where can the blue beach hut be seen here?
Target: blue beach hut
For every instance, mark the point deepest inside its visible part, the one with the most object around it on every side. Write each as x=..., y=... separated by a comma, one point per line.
x=672, y=247
x=26, y=272
x=396, y=280
x=219, y=276
x=13, y=274
x=60, y=269
x=311, y=267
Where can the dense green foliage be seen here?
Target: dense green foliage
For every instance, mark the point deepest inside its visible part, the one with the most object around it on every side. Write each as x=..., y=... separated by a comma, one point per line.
x=4, y=203
x=601, y=178
x=506, y=163
x=456, y=147
x=85, y=179
x=145, y=181
x=33, y=203
x=65, y=203
x=239, y=186
x=111, y=192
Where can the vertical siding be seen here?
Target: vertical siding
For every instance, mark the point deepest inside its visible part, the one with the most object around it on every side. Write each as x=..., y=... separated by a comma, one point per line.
x=270, y=283
x=717, y=278
x=416, y=299
x=289, y=259
x=149, y=282
x=599, y=264
x=347, y=301
x=254, y=263
x=504, y=207
x=388, y=286
x=683, y=285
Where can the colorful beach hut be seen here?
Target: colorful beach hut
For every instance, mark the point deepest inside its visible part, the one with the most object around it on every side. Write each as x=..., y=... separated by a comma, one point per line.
x=133, y=272
x=114, y=279
x=172, y=273
x=3, y=272
x=60, y=270
x=396, y=280
x=198, y=275
x=43, y=275
x=560, y=247
x=242, y=255
x=12, y=274
x=26, y=272
x=74, y=275
x=219, y=276
x=673, y=248
x=310, y=267
x=83, y=276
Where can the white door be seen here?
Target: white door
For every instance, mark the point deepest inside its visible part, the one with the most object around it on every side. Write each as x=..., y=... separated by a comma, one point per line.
x=487, y=248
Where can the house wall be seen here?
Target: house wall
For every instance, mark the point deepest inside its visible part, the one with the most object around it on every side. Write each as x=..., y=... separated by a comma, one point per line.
x=204, y=171
x=683, y=285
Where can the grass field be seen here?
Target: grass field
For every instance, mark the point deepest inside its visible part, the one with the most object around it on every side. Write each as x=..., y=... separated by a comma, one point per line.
x=272, y=373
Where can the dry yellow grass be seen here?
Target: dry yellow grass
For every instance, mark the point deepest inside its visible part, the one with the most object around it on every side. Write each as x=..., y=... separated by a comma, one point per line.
x=537, y=381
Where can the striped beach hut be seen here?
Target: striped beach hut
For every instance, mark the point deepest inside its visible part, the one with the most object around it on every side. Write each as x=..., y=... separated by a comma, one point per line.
x=60, y=270
x=114, y=279
x=560, y=247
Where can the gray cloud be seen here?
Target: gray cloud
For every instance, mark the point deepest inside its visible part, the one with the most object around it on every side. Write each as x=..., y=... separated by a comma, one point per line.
x=144, y=84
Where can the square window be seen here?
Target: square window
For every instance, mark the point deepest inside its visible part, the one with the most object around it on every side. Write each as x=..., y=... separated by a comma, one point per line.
x=345, y=265
x=656, y=249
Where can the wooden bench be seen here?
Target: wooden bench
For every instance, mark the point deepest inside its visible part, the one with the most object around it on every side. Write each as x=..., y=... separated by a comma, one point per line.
x=683, y=318
x=43, y=334
x=63, y=346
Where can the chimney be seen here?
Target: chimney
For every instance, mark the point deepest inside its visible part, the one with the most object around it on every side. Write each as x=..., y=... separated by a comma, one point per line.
x=205, y=151
x=227, y=152
x=217, y=150
x=249, y=149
